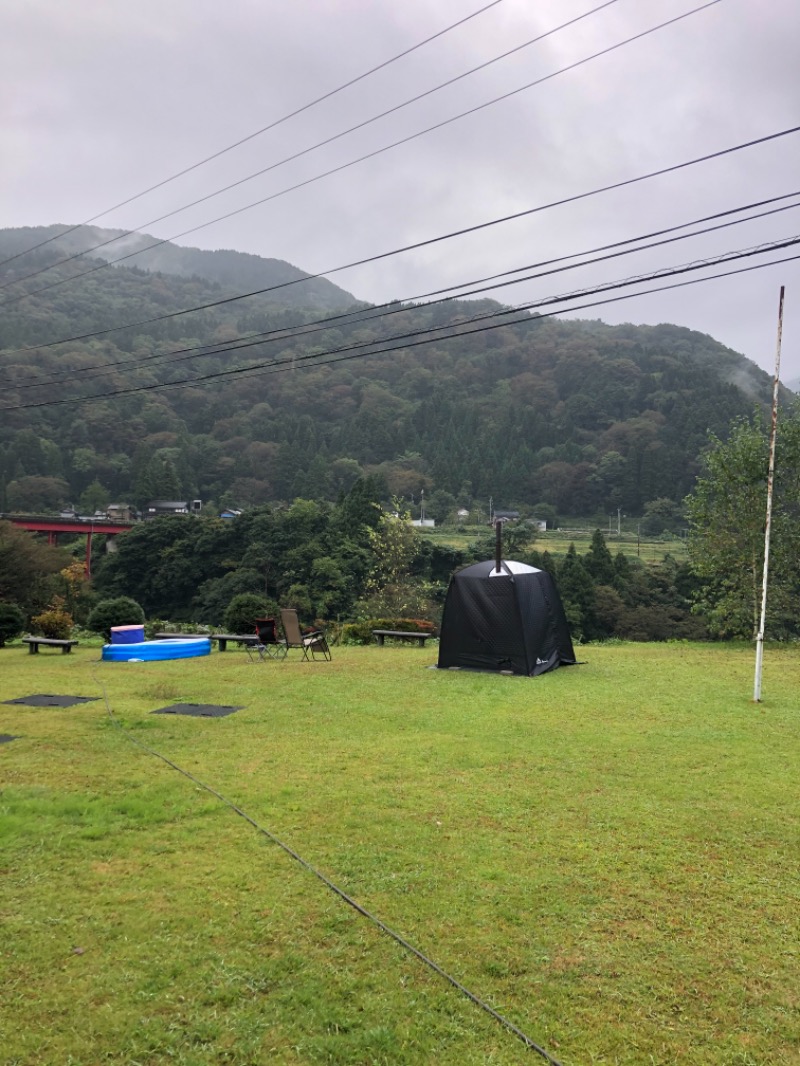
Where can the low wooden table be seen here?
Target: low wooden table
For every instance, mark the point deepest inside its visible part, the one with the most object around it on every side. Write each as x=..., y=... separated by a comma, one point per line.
x=248, y=639
x=34, y=643
x=180, y=636
x=400, y=634
x=221, y=638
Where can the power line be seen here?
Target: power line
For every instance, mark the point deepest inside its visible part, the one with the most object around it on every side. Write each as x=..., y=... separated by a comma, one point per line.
x=287, y=333
x=408, y=340
x=257, y=133
x=277, y=368
x=363, y=158
x=297, y=155
x=424, y=243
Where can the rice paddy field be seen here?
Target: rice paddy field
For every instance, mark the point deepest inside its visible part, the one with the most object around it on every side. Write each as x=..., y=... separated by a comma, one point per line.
x=607, y=856
x=557, y=541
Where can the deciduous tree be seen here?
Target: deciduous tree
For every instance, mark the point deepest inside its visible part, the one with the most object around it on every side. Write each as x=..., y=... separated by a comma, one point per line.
x=727, y=514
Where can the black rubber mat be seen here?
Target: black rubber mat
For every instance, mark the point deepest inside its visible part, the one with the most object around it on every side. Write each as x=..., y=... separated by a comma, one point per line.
x=6, y=737
x=40, y=699
x=198, y=710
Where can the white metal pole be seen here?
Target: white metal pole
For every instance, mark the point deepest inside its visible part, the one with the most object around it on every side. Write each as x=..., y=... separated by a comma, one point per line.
x=768, y=524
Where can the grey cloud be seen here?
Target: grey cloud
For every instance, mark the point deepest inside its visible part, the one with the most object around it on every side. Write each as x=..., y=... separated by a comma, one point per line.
x=112, y=97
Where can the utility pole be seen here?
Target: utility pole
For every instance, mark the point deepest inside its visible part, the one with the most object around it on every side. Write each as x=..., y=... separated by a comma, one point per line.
x=770, y=485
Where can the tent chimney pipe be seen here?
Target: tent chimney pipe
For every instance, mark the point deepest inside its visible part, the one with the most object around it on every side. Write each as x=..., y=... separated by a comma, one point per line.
x=498, y=545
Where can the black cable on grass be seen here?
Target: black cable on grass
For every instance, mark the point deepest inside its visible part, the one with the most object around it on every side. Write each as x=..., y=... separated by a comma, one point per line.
x=531, y=1045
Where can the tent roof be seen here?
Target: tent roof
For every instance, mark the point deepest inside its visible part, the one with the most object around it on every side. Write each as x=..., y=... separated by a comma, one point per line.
x=489, y=569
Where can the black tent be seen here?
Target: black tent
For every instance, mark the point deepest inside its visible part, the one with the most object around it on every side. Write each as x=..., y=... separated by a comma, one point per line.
x=510, y=620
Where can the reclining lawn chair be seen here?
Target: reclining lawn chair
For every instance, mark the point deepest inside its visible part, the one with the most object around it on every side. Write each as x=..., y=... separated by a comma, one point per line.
x=312, y=643
x=268, y=647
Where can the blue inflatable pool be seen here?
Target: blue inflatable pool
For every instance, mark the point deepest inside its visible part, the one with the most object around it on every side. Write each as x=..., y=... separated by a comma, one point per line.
x=151, y=650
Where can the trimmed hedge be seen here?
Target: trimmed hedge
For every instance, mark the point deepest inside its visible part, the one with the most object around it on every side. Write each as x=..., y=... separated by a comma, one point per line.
x=361, y=632
x=121, y=611
x=12, y=622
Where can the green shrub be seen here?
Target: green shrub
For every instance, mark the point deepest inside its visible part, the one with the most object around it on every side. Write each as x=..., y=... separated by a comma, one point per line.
x=361, y=632
x=12, y=622
x=122, y=611
x=241, y=613
x=54, y=623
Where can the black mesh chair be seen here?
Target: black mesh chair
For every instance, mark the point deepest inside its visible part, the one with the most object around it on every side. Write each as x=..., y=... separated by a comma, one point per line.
x=268, y=647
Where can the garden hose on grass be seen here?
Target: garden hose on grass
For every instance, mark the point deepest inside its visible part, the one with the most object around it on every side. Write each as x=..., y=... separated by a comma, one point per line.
x=526, y=1040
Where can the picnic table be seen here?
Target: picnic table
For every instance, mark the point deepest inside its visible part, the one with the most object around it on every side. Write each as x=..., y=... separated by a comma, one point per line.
x=34, y=643
x=399, y=634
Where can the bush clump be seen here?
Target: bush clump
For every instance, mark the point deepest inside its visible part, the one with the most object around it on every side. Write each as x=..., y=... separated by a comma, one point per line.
x=241, y=613
x=55, y=622
x=122, y=611
x=12, y=622
x=361, y=632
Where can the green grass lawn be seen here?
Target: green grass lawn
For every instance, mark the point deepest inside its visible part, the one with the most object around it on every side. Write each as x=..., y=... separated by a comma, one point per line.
x=608, y=855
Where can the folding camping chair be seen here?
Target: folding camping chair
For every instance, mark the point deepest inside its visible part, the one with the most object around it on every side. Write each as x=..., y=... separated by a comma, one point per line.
x=312, y=643
x=268, y=647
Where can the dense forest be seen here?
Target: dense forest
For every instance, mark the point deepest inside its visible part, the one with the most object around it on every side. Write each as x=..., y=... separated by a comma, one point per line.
x=560, y=418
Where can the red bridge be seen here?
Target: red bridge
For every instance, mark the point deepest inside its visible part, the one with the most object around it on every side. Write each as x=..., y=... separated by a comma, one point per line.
x=108, y=527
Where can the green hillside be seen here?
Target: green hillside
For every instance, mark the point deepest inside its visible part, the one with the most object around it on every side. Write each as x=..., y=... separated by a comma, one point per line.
x=234, y=271
x=567, y=418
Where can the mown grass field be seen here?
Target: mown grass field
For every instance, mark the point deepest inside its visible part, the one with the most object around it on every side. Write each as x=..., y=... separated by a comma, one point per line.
x=608, y=855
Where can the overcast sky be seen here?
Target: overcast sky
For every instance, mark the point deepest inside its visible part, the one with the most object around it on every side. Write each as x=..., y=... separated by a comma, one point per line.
x=103, y=98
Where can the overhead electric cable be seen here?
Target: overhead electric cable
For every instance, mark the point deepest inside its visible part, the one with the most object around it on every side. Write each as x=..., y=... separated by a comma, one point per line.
x=361, y=159
x=408, y=341
x=257, y=133
x=529, y=320
x=297, y=155
x=364, y=315
x=425, y=243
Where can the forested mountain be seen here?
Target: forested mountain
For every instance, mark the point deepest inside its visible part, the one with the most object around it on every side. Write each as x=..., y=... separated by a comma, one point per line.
x=577, y=416
x=235, y=271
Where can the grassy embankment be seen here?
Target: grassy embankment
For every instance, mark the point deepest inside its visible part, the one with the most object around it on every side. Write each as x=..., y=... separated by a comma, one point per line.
x=607, y=854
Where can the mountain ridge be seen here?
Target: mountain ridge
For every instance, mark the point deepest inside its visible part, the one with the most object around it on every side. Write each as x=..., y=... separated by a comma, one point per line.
x=577, y=417
x=234, y=271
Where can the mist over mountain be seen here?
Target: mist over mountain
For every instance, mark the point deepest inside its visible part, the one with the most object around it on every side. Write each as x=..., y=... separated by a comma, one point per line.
x=262, y=400
x=234, y=271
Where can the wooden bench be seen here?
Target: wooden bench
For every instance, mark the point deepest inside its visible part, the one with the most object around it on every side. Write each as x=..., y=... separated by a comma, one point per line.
x=34, y=644
x=399, y=634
